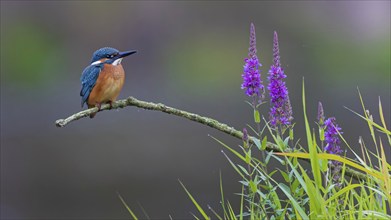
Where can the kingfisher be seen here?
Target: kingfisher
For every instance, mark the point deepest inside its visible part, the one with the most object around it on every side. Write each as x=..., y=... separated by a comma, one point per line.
x=102, y=80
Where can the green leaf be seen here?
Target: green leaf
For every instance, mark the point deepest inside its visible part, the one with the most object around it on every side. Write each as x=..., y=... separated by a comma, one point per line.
x=248, y=156
x=244, y=170
x=291, y=134
x=286, y=141
x=321, y=134
x=271, y=153
x=271, y=173
x=268, y=156
x=280, y=143
x=257, y=143
x=253, y=187
x=264, y=142
x=295, y=184
x=257, y=118
x=323, y=165
x=286, y=176
x=276, y=200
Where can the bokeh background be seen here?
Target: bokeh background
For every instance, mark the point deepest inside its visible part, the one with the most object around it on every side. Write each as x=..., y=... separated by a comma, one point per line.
x=190, y=57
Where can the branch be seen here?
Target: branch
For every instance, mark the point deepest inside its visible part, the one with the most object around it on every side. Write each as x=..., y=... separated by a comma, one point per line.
x=131, y=101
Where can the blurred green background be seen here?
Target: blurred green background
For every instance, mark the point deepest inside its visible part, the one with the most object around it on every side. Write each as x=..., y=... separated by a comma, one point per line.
x=190, y=57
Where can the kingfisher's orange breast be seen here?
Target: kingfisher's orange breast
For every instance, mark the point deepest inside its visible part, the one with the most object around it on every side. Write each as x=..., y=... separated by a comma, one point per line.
x=108, y=85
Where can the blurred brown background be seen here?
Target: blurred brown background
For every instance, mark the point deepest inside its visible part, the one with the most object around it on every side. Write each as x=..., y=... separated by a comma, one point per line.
x=190, y=57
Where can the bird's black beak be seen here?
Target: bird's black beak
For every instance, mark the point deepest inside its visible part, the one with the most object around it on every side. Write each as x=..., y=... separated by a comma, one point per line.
x=125, y=53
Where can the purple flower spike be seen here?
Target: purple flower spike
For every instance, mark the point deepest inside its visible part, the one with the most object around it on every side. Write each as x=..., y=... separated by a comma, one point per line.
x=252, y=50
x=320, y=114
x=252, y=82
x=281, y=110
x=288, y=109
x=245, y=135
x=332, y=137
x=333, y=147
x=276, y=50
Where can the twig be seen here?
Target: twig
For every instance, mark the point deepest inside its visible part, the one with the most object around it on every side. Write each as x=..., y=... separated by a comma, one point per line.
x=131, y=101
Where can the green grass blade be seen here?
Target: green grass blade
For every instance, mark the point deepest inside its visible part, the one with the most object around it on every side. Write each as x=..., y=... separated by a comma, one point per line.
x=215, y=213
x=230, y=149
x=241, y=204
x=381, y=114
x=234, y=166
x=342, y=191
x=383, y=121
x=143, y=210
x=231, y=211
x=127, y=207
x=194, y=216
x=199, y=208
x=376, y=215
x=385, y=173
x=370, y=122
x=295, y=204
x=317, y=207
x=371, y=172
x=311, y=146
x=222, y=195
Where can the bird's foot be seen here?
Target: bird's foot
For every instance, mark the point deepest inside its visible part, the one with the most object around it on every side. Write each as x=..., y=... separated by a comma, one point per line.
x=98, y=105
x=111, y=104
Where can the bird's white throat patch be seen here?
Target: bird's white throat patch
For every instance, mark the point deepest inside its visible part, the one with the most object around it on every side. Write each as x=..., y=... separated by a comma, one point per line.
x=117, y=62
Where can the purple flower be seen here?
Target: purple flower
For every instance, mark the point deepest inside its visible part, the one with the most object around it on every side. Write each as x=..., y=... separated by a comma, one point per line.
x=320, y=114
x=332, y=137
x=252, y=82
x=333, y=147
x=281, y=110
x=276, y=50
x=288, y=109
x=245, y=135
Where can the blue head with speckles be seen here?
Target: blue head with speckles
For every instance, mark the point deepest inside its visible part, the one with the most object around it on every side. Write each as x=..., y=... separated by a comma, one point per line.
x=105, y=52
x=110, y=54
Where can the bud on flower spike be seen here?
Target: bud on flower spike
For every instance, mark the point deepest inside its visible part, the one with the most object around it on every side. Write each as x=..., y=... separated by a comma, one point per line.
x=281, y=110
x=252, y=82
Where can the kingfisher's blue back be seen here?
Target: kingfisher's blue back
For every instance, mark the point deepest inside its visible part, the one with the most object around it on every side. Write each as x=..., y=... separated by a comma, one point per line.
x=88, y=79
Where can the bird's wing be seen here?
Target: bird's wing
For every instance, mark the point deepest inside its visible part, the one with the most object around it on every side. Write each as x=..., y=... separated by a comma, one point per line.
x=88, y=79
